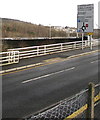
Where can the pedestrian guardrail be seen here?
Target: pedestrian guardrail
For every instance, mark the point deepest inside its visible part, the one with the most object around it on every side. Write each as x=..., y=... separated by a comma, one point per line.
x=10, y=57
x=80, y=105
x=14, y=55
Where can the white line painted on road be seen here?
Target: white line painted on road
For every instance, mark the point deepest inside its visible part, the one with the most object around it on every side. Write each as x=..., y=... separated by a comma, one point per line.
x=95, y=61
x=44, y=76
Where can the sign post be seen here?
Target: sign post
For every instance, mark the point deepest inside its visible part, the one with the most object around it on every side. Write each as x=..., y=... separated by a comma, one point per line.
x=85, y=20
x=91, y=42
x=82, y=39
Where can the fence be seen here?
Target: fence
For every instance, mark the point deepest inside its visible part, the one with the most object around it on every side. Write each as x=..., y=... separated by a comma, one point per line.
x=13, y=55
x=78, y=106
x=10, y=57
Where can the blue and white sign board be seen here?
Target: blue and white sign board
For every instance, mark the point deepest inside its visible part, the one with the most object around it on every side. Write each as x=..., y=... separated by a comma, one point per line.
x=85, y=18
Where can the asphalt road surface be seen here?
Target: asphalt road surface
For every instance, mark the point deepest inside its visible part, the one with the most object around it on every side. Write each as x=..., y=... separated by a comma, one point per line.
x=28, y=91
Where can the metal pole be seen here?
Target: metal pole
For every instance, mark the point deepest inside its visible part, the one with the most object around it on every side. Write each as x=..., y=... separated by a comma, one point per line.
x=61, y=46
x=44, y=49
x=82, y=39
x=88, y=40
x=37, y=50
x=91, y=42
x=77, y=34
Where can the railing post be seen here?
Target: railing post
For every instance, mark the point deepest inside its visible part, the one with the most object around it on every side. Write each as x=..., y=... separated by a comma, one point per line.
x=37, y=50
x=14, y=54
x=44, y=49
x=18, y=56
x=10, y=57
x=75, y=45
x=85, y=43
x=90, y=109
x=61, y=46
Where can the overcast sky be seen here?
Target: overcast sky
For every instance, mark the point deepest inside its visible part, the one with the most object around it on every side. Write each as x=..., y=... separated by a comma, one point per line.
x=46, y=12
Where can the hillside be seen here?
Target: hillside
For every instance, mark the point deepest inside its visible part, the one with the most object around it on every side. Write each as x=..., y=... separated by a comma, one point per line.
x=16, y=28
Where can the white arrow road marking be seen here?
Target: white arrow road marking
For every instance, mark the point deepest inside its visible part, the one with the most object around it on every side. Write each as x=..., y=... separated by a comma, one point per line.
x=44, y=76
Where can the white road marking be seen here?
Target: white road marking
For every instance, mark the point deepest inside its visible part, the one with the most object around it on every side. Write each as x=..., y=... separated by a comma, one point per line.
x=94, y=61
x=44, y=76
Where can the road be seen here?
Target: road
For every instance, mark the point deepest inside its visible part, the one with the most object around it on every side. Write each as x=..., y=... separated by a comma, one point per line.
x=28, y=91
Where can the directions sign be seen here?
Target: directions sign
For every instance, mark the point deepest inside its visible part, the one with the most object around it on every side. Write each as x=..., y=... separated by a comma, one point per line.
x=85, y=18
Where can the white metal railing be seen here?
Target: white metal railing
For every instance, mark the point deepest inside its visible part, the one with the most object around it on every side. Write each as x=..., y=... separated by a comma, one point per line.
x=9, y=57
x=28, y=52
x=13, y=55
